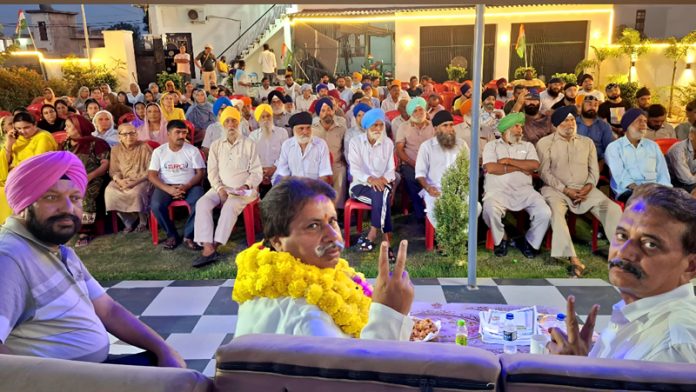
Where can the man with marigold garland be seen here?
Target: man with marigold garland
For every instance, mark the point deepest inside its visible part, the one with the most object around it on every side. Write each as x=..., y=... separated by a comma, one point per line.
x=295, y=282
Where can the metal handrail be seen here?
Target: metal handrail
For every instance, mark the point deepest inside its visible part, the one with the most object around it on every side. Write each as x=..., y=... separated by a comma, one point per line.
x=255, y=30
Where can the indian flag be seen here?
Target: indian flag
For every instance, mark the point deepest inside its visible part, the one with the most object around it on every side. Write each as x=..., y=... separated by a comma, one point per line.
x=21, y=22
x=521, y=45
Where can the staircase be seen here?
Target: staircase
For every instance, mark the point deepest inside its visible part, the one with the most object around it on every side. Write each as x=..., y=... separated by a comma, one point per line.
x=258, y=32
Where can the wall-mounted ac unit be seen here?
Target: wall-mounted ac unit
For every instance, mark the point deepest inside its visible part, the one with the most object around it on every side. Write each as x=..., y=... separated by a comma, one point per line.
x=197, y=15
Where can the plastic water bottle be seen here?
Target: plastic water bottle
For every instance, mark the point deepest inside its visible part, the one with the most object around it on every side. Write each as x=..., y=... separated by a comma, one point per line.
x=560, y=322
x=462, y=337
x=510, y=334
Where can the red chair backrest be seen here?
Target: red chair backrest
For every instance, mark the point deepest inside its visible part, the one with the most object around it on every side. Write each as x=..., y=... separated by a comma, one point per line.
x=665, y=144
x=392, y=114
x=126, y=118
x=153, y=144
x=405, y=85
x=191, y=129
x=448, y=100
x=458, y=119
x=439, y=88
x=59, y=137
x=5, y=114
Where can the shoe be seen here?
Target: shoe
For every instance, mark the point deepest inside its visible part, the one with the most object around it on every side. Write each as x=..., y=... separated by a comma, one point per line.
x=365, y=246
x=576, y=269
x=171, y=243
x=391, y=256
x=527, y=249
x=501, y=249
x=361, y=239
x=205, y=260
x=190, y=245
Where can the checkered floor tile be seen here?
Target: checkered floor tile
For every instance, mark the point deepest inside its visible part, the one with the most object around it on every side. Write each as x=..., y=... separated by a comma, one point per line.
x=196, y=317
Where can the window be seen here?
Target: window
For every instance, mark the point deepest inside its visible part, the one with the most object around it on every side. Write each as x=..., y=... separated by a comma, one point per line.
x=640, y=21
x=43, y=34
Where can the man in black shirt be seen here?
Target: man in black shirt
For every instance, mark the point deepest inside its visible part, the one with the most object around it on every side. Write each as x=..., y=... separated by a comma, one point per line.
x=570, y=92
x=207, y=63
x=613, y=109
x=413, y=89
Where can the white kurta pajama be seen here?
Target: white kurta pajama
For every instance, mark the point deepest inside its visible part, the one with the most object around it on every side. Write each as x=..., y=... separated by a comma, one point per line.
x=513, y=191
x=294, y=316
x=432, y=163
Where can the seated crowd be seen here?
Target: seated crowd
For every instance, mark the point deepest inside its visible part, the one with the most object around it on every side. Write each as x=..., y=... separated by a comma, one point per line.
x=545, y=154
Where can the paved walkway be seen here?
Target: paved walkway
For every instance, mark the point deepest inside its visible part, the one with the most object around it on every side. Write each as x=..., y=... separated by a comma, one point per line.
x=196, y=317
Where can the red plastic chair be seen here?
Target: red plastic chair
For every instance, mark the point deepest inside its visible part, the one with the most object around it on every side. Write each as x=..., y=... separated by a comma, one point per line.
x=439, y=88
x=457, y=119
x=191, y=129
x=5, y=114
x=126, y=118
x=154, y=227
x=405, y=85
x=448, y=100
x=153, y=144
x=350, y=206
x=392, y=114
x=60, y=137
x=429, y=235
x=665, y=144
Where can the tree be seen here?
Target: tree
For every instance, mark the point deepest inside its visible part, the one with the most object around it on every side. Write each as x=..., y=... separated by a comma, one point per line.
x=127, y=26
x=600, y=56
x=676, y=51
x=452, y=209
x=633, y=46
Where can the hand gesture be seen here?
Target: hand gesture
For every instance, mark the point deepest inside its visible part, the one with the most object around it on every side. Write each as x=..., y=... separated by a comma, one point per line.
x=576, y=342
x=394, y=290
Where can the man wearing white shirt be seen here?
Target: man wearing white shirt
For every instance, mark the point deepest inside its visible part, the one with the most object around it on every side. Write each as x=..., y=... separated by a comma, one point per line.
x=435, y=156
x=325, y=80
x=267, y=60
x=176, y=170
x=344, y=91
x=265, y=89
x=373, y=171
x=551, y=95
x=269, y=140
x=303, y=155
x=183, y=64
x=391, y=102
x=652, y=260
x=304, y=101
x=359, y=111
x=291, y=88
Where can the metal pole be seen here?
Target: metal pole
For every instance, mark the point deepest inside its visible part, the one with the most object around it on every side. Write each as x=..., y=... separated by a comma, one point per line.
x=84, y=27
x=474, y=159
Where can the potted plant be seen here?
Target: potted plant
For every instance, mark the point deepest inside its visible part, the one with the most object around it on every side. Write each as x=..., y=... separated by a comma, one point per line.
x=456, y=73
x=452, y=210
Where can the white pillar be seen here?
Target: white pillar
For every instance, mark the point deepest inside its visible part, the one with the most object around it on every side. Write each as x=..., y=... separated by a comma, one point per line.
x=502, y=50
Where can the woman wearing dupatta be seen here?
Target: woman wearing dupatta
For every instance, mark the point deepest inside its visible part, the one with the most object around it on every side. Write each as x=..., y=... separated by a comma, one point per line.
x=49, y=96
x=81, y=101
x=139, y=112
x=49, y=119
x=24, y=141
x=94, y=154
x=200, y=114
x=169, y=111
x=104, y=127
x=129, y=192
x=155, y=125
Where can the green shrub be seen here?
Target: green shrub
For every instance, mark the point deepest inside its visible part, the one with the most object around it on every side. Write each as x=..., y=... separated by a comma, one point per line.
x=452, y=209
x=458, y=74
x=163, y=77
x=61, y=87
x=19, y=86
x=77, y=74
x=566, y=77
x=519, y=72
x=687, y=93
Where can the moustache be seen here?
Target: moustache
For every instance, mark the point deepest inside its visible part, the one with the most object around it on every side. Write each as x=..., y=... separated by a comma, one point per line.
x=322, y=249
x=627, y=267
x=54, y=219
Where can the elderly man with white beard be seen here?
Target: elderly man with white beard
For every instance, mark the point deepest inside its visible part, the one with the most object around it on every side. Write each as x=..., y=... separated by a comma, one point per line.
x=409, y=138
x=234, y=172
x=359, y=111
x=280, y=116
x=372, y=168
x=333, y=131
x=570, y=172
x=634, y=159
x=435, y=156
x=269, y=139
x=303, y=155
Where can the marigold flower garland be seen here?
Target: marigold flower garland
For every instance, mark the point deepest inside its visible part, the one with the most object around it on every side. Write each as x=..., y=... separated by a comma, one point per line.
x=340, y=292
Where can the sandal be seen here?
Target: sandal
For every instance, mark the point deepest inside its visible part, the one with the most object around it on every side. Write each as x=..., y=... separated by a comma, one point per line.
x=190, y=245
x=391, y=256
x=576, y=270
x=140, y=229
x=171, y=243
x=83, y=240
x=127, y=230
x=365, y=246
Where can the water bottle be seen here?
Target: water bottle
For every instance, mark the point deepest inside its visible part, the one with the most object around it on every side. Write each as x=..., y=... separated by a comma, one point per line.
x=560, y=322
x=462, y=337
x=510, y=334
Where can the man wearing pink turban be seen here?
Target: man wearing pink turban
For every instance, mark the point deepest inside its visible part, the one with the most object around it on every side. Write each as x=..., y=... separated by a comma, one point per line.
x=40, y=276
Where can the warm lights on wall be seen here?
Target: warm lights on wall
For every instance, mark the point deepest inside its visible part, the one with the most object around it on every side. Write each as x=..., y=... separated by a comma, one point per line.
x=27, y=53
x=408, y=42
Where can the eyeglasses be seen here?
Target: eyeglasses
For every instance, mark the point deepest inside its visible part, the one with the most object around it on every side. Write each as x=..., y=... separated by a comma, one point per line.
x=128, y=133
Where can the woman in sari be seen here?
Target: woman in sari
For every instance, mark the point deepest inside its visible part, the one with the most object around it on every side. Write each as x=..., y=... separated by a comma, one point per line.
x=169, y=111
x=129, y=192
x=104, y=127
x=22, y=142
x=81, y=100
x=94, y=154
x=200, y=114
x=155, y=125
x=49, y=119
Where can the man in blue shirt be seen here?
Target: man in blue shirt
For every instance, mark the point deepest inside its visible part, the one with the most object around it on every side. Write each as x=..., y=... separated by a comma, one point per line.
x=594, y=128
x=633, y=159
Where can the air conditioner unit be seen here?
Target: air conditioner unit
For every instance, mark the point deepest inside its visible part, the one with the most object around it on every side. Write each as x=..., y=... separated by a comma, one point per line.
x=197, y=15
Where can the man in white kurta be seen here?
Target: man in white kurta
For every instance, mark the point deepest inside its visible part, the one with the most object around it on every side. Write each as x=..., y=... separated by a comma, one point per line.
x=652, y=262
x=234, y=172
x=269, y=140
x=570, y=170
x=509, y=163
x=332, y=130
x=359, y=111
x=435, y=156
x=303, y=155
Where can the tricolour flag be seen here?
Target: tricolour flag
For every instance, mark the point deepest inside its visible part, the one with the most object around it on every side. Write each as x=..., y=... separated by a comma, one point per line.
x=21, y=22
x=521, y=44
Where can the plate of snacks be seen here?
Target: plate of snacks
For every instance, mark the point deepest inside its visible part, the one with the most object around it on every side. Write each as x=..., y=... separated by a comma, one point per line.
x=425, y=330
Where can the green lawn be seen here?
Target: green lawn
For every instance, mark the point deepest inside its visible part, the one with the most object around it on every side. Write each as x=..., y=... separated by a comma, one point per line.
x=134, y=257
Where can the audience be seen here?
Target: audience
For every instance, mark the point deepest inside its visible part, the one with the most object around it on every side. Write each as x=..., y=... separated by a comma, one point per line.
x=536, y=124
x=333, y=132
x=303, y=155
x=104, y=128
x=49, y=119
x=682, y=130
x=155, y=125
x=681, y=159
x=589, y=125
x=613, y=109
x=269, y=140
x=657, y=127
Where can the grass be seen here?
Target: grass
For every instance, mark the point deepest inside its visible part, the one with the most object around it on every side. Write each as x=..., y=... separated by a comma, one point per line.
x=134, y=257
